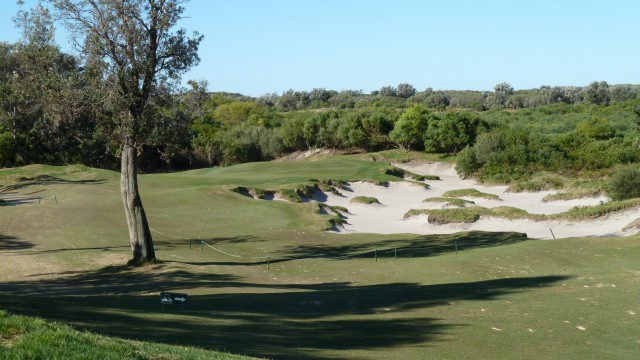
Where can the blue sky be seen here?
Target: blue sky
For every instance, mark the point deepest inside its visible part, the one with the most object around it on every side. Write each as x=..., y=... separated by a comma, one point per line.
x=261, y=46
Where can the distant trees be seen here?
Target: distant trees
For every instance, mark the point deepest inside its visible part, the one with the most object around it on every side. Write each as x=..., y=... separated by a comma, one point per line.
x=452, y=132
x=598, y=93
x=409, y=131
x=500, y=96
x=54, y=110
x=405, y=90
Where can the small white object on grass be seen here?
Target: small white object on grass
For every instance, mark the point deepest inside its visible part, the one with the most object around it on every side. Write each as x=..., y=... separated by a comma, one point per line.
x=496, y=329
x=580, y=327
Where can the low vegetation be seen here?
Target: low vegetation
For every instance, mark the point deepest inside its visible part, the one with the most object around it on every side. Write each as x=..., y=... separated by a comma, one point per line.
x=450, y=201
x=471, y=214
x=470, y=193
x=573, y=194
x=365, y=200
x=625, y=183
x=544, y=183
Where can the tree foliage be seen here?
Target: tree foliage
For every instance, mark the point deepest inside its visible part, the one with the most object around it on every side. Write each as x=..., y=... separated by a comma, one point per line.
x=409, y=131
x=140, y=54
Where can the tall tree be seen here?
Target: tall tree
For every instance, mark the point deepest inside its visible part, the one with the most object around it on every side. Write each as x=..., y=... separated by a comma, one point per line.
x=143, y=55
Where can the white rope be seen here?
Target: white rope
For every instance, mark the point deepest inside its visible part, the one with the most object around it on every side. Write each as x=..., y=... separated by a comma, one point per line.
x=171, y=236
x=270, y=257
x=220, y=251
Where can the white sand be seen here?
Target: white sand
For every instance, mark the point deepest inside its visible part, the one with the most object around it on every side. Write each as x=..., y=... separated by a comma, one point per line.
x=400, y=197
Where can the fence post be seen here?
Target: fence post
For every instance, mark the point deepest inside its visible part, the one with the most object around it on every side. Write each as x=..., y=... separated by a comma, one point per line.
x=189, y=243
x=56, y=199
x=395, y=254
x=376, y=254
x=268, y=262
x=201, y=245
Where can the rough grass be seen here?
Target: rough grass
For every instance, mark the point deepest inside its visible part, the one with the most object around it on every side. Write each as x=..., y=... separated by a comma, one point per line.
x=404, y=156
x=470, y=193
x=572, y=194
x=364, y=200
x=544, y=183
x=449, y=201
x=472, y=214
x=594, y=212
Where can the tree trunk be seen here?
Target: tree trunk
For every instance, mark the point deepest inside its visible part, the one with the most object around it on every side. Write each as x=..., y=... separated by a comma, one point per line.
x=139, y=234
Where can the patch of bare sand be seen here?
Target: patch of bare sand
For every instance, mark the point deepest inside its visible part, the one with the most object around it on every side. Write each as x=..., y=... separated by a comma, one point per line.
x=399, y=197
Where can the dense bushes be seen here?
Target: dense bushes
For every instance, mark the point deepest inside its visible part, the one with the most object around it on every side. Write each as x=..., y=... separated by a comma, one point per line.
x=505, y=154
x=50, y=114
x=625, y=183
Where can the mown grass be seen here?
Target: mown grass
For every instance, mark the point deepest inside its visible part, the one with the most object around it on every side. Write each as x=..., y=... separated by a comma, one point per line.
x=322, y=295
x=23, y=337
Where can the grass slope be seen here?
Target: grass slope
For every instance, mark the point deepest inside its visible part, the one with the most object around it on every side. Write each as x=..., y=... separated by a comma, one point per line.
x=24, y=337
x=319, y=295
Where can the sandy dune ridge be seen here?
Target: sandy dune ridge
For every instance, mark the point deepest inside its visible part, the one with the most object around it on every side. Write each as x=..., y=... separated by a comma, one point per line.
x=400, y=197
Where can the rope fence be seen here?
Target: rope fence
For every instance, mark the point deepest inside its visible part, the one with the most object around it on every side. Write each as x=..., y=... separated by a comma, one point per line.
x=269, y=259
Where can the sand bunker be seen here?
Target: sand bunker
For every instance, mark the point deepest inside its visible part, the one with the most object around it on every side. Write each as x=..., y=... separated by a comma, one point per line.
x=400, y=197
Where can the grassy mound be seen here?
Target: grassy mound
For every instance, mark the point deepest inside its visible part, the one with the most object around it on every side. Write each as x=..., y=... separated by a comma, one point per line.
x=472, y=214
x=368, y=200
x=572, y=194
x=470, y=193
x=449, y=201
x=23, y=337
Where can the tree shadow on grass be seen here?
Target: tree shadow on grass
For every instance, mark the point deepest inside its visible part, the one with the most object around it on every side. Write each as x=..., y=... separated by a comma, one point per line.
x=13, y=243
x=284, y=321
x=160, y=245
x=414, y=247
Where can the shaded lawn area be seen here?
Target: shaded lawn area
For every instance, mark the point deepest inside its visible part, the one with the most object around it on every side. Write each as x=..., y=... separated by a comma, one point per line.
x=296, y=321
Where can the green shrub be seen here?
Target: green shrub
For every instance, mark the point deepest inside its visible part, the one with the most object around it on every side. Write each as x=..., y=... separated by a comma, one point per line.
x=7, y=149
x=467, y=163
x=596, y=129
x=625, y=183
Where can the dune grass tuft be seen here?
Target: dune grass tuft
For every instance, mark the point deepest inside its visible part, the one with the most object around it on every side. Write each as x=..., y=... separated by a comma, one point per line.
x=470, y=193
x=449, y=201
x=365, y=200
x=545, y=183
x=572, y=194
x=473, y=213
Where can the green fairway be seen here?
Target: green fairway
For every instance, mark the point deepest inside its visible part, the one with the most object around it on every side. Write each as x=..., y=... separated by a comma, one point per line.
x=264, y=280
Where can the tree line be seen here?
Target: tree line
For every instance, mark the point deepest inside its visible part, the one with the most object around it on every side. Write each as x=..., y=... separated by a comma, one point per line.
x=54, y=111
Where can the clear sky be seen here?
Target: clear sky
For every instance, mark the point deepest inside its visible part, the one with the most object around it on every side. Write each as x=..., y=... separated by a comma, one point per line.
x=260, y=46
